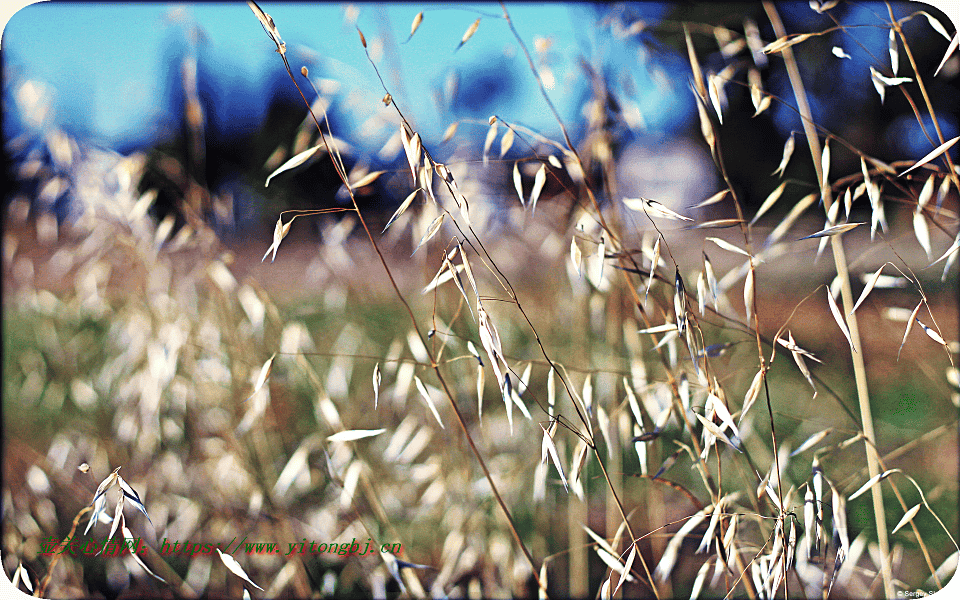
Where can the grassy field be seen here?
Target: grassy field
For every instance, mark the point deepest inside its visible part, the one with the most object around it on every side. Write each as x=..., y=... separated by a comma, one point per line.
x=570, y=394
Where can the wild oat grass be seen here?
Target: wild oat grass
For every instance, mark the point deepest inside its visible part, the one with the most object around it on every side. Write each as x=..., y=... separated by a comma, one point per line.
x=584, y=395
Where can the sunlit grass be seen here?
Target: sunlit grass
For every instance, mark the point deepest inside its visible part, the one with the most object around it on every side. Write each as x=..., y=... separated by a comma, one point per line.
x=136, y=345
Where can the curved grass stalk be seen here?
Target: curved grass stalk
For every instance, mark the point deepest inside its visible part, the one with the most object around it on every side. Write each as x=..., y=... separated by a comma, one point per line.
x=926, y=97
x=434, y=364
x=42, y=588
x=840, y=261
x=704, y=471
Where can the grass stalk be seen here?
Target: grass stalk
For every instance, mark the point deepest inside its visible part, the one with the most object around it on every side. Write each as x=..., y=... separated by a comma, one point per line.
x=952, y=172
x=271, y=30
x=840, y=262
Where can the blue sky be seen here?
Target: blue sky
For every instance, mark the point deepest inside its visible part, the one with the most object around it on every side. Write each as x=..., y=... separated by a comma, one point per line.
x=109, y=65
x=106, y=63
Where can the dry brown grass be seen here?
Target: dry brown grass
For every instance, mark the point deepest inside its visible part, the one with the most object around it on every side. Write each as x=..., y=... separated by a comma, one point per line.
x=640, y=421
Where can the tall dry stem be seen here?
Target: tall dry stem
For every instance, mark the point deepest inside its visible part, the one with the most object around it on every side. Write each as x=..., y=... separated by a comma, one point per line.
x=840, y=262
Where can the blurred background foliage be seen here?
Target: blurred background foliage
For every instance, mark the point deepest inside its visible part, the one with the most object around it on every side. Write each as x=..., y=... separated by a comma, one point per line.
x=133, y=87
